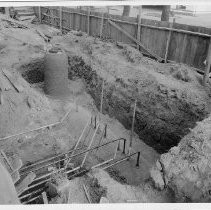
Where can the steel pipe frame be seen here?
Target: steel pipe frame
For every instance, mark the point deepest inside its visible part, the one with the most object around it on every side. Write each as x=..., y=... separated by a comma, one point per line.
x=46, y=175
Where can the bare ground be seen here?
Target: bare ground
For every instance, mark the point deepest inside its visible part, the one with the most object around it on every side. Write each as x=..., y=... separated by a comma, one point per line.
x=163, y=90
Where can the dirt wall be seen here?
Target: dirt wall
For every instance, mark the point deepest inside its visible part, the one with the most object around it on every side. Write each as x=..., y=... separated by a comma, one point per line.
x=186, y=168
x=163, y=115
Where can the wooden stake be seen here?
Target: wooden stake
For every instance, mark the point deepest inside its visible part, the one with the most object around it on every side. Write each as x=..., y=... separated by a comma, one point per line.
x=88, y=21
x=40, y=14
x=87, y=194
x=101, y=100
x=168, y=41
x=135, y=40
x=45, y=199
x=107, y=9
x=208, y=64
x=60, y=18
x=133, y=121
x=101, y=26
x=139, y=26
x=51, y=17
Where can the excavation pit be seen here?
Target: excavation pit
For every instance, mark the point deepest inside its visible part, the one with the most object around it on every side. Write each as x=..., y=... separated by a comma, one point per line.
x=164, y=113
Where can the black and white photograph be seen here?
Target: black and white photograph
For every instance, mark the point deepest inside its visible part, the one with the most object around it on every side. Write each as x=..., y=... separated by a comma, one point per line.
x=105, y=102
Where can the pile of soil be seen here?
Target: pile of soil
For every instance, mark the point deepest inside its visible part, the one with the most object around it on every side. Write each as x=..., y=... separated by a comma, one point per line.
x=170, y=98
x=123, y=193
x=186, y=168
x=24, y=110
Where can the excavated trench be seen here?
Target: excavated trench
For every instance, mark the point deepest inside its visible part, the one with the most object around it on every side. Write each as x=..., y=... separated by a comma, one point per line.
x=162, y=118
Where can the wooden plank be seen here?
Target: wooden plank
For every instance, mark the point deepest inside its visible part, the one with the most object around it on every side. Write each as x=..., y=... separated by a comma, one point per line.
x=15, y=177
x=88, y=21
x=168, y=42
x=87, y=194
x=60, y=18
x=208, y=64
x=139, y=26
x=45, y=199
x=18, y=87
x=25, y=183
x=135, y=40
x=6, y=160
x=4, y=82
x=101, y=100
x=39, y=14
x=133, y=122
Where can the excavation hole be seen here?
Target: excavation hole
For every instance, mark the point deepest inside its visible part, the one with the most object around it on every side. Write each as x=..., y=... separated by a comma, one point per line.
x=161, y=120
x=33, y=72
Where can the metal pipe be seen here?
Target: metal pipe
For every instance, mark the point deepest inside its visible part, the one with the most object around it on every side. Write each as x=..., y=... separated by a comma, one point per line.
x=90, y=146
x=116, y=149
x=46, y=175
x=58, y=156
x=29, y=194
x=87, y=124
x=101, y=100
x=100, y=164
x=31, y=200
x=124, y=147
x=118, y=146
x=105, y=131
x=72, y=169
x=138, y=158
x=119, y=161
x=36, y=129
x=95, y=125
x=133, y=121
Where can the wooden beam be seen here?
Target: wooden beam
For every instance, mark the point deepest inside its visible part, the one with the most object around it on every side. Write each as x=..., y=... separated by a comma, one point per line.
x=60, y=18
x=40, y=14
x=208, y=64
x=87, y=194
x=135, y=40
x=133, y=121
x=45, y=199
x=168, y=41
x=13, y=80
x=108, y=9
x=88, y=21
x=101, y=100
x=101, y=25
x=139, y=26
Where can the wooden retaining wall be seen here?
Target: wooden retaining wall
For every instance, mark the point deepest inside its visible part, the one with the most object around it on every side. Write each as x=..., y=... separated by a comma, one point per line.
x=187, y=44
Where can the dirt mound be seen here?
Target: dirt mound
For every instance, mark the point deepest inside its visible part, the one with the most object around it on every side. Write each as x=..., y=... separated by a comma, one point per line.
x=186, y=168
x=170, y=98
x=22, y=110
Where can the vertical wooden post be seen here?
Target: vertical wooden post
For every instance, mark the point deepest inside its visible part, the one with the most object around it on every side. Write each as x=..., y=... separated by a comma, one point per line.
x=88, y=21
x=60, y=18
x=108, y=25
x=208, y=64
x=132, y=128
x=40, y=15
x=7, y=11
x=51, y=17
x=45, y=199
x=168, y=41
x=138, y=159
x=101, y=100
x=101, y=25
x=139, y=26
x=108, y=9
